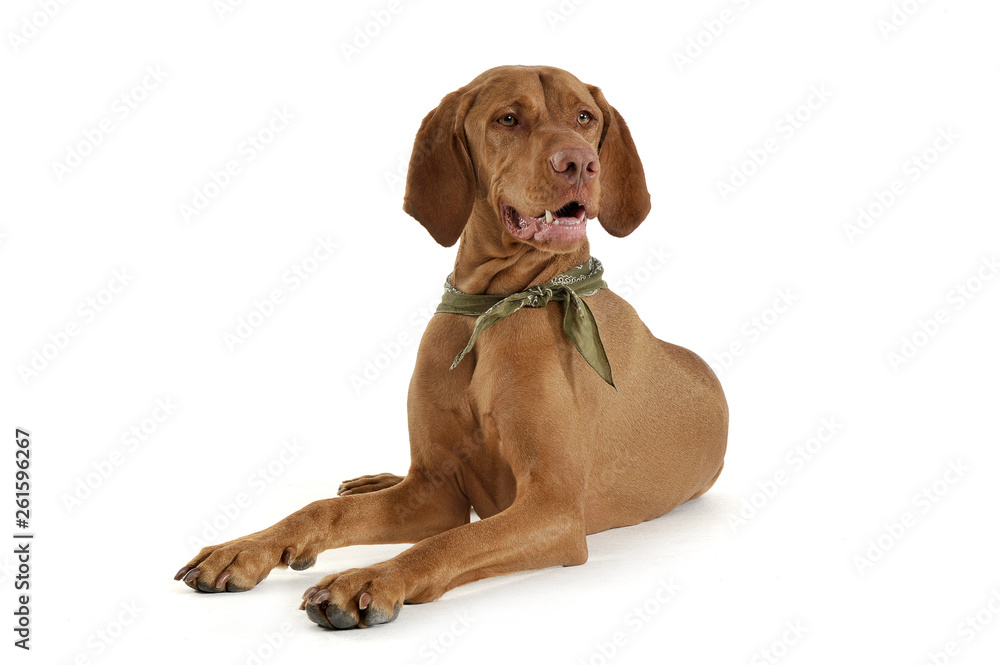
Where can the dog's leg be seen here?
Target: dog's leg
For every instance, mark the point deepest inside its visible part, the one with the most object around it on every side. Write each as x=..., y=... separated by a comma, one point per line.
x=544, y=526
x=364, y=484
x=420, y=506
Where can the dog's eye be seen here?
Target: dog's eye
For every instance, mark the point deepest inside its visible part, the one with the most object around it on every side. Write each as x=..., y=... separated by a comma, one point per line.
x=508, y=120
x=583, y=118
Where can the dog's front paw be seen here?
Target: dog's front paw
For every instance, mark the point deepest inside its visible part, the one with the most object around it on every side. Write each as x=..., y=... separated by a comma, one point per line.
x=360, y=597
x=241, y=564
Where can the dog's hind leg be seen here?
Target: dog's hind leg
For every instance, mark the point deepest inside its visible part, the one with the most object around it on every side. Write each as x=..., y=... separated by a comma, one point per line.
x=365, y=484
x=708, y=485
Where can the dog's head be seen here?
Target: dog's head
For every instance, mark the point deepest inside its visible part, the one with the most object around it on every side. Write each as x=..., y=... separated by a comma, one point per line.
x=535, y=146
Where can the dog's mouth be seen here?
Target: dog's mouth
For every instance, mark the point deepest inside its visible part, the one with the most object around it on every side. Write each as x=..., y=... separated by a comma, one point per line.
x=565, y=224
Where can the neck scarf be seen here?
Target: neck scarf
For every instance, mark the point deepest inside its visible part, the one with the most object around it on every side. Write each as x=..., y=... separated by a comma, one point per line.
x=571, y=287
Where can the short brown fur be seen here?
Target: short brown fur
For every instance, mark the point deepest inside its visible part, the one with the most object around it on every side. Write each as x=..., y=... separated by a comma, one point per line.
x=523, y=431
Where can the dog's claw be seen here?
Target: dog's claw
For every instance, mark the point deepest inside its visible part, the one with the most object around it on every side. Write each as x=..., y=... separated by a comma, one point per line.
x=364, y=601
x=242, y=564
x=310, y=592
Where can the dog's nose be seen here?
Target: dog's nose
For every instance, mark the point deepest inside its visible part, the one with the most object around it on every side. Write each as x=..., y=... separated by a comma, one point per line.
x=578, y=165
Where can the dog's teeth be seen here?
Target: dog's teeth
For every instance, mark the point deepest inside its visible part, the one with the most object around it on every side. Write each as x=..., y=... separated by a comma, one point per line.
x=522, y=223
x=548, y=216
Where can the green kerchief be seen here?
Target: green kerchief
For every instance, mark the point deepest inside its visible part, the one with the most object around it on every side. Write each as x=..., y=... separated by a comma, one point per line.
x=570, y=287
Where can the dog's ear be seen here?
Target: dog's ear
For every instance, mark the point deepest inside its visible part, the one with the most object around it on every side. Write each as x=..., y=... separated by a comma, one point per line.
x=440, y=184
x=624, y=200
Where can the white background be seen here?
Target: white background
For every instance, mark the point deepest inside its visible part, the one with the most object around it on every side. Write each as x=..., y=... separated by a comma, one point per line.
x=805, y=555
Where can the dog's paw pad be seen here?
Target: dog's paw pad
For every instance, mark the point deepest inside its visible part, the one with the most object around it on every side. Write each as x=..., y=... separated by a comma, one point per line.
x=352, y=599
x=376, y=616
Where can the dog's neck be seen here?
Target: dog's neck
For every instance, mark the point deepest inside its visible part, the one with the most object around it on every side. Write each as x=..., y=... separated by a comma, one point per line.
x=490, y=261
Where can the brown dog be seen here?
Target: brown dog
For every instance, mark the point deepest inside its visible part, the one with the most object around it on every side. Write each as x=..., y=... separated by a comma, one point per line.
x=523, y=430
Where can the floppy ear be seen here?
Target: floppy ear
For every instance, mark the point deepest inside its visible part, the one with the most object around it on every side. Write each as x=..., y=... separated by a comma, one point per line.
x=440, y=185
x=624, y=200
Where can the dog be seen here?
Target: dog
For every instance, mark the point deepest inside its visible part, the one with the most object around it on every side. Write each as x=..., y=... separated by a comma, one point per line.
x=560, y=417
